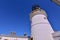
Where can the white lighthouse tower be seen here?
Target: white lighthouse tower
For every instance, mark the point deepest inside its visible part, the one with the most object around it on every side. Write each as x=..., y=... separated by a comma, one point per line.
x=40, y=26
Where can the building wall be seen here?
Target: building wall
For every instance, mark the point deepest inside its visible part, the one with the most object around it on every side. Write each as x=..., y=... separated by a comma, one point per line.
x=57, y=38
x=56, y=35
x=41, y=28
x=13, y=38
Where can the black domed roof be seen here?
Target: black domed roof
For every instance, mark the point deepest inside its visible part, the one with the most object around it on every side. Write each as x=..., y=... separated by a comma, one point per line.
x=34, y=7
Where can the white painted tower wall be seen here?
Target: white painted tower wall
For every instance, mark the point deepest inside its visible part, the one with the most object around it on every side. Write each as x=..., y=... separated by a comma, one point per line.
x=40, y=26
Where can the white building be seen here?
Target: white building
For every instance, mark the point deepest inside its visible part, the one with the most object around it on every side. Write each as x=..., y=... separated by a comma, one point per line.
x=40, y=26
x=56, y=35
x=13, y=37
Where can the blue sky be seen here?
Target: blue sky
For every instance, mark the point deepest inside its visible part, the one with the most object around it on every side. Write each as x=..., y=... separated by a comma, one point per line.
x=14, y=15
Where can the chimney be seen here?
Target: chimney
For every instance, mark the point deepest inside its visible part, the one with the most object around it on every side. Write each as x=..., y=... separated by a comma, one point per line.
x=12, y=34
x=25, y=34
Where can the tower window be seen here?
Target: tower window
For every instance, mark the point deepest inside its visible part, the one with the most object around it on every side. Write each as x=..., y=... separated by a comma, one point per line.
x=0, y=37
x=45, y=18
x=31, y=38
x=5, y=39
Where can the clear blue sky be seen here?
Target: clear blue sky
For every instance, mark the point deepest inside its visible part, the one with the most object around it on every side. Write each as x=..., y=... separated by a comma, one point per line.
x=14, y=15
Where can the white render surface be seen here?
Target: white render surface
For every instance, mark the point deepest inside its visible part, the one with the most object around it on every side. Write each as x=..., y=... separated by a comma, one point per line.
x=56, y=35
x=13, y=38
x=41, y=28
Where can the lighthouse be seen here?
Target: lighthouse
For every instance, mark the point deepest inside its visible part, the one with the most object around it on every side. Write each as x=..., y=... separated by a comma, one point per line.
x=40, y=26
